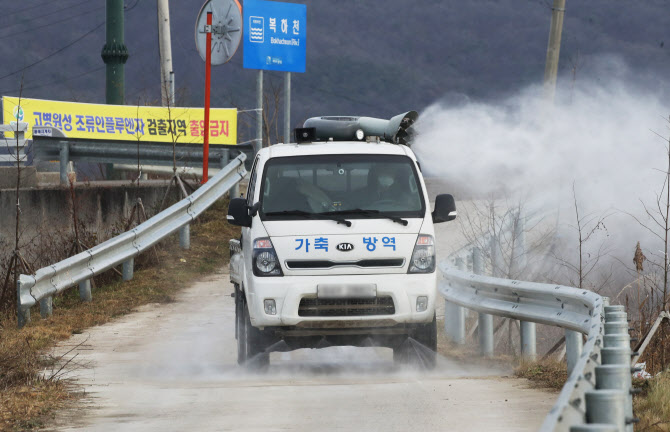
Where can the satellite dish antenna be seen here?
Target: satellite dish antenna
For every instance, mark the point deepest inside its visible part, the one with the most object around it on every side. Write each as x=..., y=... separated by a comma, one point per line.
x=226, y=29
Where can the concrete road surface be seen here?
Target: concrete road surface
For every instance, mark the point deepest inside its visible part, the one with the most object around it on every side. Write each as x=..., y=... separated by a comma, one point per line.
x=173, y=368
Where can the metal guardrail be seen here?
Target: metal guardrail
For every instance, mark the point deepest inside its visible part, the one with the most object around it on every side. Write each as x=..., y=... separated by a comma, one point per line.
x=597, y=395
x=128, y=152
x=79, y=268
x=10, y=144
x=158, y=169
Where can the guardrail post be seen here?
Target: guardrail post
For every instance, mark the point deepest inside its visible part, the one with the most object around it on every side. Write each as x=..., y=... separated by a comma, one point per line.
x=616, y=341
x=614, y=308
x=616, y=328
x=528, y=340
x=454, y=322
x=64, y=161
x=85, y=291
x=526, y=329
x=615, y=371
x=225, y=158
x=454, y=316
x=617, y=377
x=23, y=315
x=573, y=348
x=128, y=269
x=484, y=321
x=485, y=329
x=234, y=191
x=185, y=237
x=615, y=356
x=46, y=307
x=606, y=407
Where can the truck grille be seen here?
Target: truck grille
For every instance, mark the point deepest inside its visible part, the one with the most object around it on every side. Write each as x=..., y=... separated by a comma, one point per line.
x=326, y=264
x=314, y=307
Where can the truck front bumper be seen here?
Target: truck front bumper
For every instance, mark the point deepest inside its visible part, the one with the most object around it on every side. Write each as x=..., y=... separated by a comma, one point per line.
x=288, y=292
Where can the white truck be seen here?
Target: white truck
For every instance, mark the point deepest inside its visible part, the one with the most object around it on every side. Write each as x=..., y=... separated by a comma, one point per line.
x=337, y=244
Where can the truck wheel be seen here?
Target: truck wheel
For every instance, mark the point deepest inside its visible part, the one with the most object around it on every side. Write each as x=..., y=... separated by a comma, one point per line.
x=251, y=344
x=240, y=327
x=238, y=313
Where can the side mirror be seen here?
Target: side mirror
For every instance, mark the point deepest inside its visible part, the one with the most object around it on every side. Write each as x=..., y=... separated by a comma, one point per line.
x=445, y=208
x=238, y=212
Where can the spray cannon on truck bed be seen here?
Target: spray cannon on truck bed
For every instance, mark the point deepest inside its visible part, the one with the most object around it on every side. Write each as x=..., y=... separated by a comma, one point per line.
x=397, y=130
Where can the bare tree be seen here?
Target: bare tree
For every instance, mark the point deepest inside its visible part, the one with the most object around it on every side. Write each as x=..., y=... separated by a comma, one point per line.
x=176, y=179
x=499, y=228
x=272, y=98
x=657, y=224
x=17, y=263
x=587, y=227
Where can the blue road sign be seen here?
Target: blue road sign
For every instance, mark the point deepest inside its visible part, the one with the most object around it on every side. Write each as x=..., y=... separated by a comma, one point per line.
x=276, y=35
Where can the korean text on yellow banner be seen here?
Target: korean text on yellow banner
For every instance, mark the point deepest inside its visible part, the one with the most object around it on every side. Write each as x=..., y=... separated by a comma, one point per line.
x=124, y=122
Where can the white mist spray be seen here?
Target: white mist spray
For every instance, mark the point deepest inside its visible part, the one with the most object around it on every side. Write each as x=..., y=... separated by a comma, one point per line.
x=602, y=136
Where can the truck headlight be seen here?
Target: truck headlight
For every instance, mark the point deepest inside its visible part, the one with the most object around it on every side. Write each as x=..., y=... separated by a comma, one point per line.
x=264, y=259
x=423, y=256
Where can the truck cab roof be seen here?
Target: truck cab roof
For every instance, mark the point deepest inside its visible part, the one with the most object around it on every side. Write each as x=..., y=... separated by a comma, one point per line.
x=335, y=147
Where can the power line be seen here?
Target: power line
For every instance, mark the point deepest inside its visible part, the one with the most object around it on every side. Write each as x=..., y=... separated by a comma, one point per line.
x=57, y=81
x=28, y=8
x=50, y=24
x=45, y=15
x=55, y=52
x=129, y=8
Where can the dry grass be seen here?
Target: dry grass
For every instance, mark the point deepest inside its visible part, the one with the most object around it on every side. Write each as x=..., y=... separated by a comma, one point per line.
x=652, y=406
x=468, y=353
x=27, y=397
x=548, y=374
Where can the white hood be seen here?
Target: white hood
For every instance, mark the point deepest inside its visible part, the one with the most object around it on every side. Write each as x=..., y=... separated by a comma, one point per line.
x=368, y=246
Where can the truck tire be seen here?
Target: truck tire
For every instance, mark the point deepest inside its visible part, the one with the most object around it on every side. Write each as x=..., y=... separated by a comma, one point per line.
x=424, y=353
x=251, y=343
x=240, y=324
x=238, y=313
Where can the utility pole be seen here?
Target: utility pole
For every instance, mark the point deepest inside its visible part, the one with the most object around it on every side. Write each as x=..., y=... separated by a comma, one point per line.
x=553, y=49
x=165, y=52
x=114, y=54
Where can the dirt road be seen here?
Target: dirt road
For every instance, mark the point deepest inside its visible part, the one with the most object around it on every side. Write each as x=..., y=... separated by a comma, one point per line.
x=173, y=367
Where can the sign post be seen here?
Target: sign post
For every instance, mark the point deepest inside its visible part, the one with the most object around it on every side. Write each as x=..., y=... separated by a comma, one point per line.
x=276, y=40
x=208, y=79
x=287, y=107
x=218, y=31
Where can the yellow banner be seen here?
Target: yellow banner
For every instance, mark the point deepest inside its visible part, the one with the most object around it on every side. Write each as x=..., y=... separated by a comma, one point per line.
x=124, y=122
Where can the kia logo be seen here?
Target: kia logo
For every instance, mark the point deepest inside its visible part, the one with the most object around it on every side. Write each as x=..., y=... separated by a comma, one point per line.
x=345, y=247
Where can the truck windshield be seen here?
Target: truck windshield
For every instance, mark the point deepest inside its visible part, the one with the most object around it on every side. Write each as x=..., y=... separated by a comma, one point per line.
x=352, y=186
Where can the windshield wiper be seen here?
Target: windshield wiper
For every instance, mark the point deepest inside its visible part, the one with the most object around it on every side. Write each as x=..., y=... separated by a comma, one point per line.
x=363, y=212
x=309, y=215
